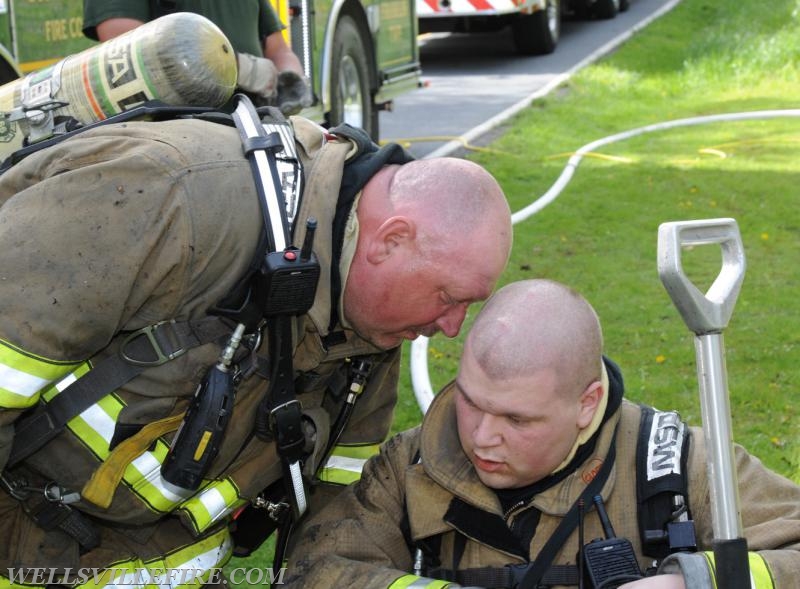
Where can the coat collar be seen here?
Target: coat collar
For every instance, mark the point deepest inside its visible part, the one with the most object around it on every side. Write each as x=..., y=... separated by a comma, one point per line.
x=447, y=466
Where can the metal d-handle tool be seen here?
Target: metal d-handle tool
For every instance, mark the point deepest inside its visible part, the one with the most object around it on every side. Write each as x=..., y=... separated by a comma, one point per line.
x=707, y=315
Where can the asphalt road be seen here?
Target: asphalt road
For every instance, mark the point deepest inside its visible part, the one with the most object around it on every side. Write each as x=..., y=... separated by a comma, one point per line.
x=473, y=82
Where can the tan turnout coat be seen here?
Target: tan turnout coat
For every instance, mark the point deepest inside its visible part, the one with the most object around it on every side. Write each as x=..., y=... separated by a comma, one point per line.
x=127, y=225
x=357, y=541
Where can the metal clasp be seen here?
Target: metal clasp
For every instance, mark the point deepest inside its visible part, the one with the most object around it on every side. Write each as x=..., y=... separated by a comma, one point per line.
x=149, y=332
x=16, y=487
x=55, y=493
x=275, y=510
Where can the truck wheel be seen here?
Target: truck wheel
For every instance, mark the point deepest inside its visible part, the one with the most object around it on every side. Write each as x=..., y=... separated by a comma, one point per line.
x=606, y=8
x=624, y=5
x=351, y=99
x=537, y=33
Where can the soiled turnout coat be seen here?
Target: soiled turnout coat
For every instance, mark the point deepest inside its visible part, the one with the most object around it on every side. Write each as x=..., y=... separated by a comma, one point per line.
x=422, y=481
x=122, y=227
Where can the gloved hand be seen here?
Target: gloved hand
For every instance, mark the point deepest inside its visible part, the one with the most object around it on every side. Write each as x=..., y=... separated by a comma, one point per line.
x=257, y=75
x=294, y=92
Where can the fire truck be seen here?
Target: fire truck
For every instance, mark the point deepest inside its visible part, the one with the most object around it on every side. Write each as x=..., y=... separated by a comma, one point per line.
x=358, y=54
x=535, y=24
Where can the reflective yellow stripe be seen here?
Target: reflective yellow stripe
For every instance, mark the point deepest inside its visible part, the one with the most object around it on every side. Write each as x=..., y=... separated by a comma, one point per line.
x=712, y=567
x=414, y=582
x=364, y=451
x=345, y=463
x=95, y=427
x=760, y=575
x=213, y=503
x=23, y=376
x=188, y=567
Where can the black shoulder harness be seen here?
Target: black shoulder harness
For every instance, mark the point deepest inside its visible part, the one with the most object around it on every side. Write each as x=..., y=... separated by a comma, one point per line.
x=662, y=496
x=665, y=524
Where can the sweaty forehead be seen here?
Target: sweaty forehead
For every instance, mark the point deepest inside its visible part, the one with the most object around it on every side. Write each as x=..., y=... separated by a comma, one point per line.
x=467, y=281
x=491, y=380
x=498, y=400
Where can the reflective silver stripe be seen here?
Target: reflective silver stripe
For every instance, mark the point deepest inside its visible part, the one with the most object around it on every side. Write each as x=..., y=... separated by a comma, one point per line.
x=214, y=502
x=100, y=421
x=20, y=383
x=215, y=553
x=149, y=468
x=24, y=376
x=345, y=463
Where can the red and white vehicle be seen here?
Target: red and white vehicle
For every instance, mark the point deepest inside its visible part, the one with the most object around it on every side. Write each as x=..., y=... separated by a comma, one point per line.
x=535, y=24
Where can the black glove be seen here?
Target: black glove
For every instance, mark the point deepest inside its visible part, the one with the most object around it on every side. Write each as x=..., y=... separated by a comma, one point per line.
x=294, y=92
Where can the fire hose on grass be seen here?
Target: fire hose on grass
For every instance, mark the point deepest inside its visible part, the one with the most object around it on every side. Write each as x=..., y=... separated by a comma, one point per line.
x=420, y=377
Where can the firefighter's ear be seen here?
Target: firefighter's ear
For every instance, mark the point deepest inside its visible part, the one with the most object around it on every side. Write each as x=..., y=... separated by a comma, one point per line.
x=394, y=232
x=590, y=401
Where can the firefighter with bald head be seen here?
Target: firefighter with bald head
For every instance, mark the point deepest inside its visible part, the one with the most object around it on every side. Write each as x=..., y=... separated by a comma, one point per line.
x=487, y=492
x=127, y=248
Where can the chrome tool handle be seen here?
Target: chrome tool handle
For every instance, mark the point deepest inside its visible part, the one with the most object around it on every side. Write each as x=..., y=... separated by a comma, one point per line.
x=707, y=315
x=710, y=312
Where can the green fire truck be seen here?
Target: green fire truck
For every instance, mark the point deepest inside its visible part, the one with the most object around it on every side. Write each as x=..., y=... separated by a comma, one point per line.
x=358, y=54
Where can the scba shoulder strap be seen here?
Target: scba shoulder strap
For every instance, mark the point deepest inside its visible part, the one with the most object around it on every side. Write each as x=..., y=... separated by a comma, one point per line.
x=662, y=454
x=285, y=286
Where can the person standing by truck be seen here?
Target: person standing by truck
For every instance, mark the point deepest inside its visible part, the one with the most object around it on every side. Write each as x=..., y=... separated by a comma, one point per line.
x=269, y=71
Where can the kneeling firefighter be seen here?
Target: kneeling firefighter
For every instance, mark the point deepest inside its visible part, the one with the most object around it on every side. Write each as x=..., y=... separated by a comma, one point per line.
x=160, y=329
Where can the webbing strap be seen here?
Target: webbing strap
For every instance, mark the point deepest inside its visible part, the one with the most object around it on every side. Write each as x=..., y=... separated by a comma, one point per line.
x=279, y=413
x=150, y=346
x=569, y=523
x=539, y=572
x=50, y=515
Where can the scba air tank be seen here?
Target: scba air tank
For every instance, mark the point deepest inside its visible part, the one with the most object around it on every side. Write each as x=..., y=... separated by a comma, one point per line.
x=182, y=59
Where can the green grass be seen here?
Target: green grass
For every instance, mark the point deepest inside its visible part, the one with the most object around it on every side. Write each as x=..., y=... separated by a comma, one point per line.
x=705, y=57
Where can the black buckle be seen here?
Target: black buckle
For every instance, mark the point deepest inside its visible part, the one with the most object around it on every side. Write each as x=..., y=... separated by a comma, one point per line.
x=150, y=331
x=271, y=142
x=285, y=423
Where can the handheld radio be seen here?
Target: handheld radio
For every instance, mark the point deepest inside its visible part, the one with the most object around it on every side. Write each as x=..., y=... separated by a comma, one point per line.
x=610, y=562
